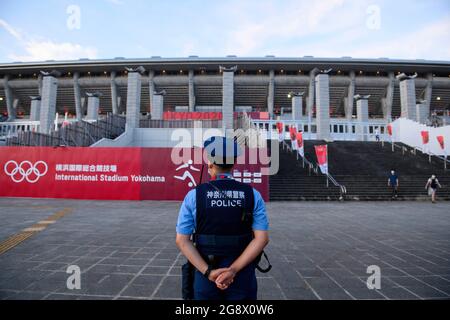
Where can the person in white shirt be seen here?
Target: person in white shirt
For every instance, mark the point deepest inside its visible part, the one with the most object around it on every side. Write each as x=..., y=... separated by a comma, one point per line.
x=377, y=134
x=431, y=186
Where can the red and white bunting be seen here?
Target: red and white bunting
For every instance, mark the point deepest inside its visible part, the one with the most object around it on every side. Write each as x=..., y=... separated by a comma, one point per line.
x=280, y=129
x=300, y=146
x=440, y=139
x=322, y=157
x=425, y=137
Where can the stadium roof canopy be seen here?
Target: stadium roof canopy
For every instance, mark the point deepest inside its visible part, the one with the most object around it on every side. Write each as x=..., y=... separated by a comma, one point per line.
x=266, y=63
x=251, y=81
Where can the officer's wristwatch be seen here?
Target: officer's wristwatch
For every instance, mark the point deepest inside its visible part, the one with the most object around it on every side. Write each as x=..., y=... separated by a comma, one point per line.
x=207, y=272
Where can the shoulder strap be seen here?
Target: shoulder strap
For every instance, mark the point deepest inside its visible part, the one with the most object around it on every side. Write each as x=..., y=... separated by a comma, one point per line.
x=269, y=267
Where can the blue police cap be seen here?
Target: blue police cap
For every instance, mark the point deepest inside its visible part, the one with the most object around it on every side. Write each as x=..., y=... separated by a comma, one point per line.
x=222, y=150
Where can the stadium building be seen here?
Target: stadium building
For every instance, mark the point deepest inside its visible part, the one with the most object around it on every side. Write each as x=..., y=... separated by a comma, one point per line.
x=196, y=84
x=354, y=106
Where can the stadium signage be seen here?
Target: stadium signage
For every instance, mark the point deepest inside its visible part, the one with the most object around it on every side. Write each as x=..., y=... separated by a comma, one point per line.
x=106, y=173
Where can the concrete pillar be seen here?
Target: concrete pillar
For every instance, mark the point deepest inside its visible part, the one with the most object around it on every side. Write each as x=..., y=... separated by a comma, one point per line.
x=9, y=99
x=15, y=105
x=191, y=91
x=387, y=101
x=362, y=114
x=323, y=106
x=422, y=112
x=114, y=104
x=158, y=106
x=83, y=105
x=407, y=97
x=35, y=108
x=297, y=106
x=48, y=103
x=134, y=97
x=349, y=101
x=40, y=84
x=93, y=106
x=428, y=93
x=77, y=96
x=119, y=104
x=151, y=87
x=271, y=94
x=311, y=93
x=228, y=97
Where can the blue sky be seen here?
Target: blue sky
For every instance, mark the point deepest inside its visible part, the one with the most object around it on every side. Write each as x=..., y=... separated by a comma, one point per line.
x=51, y=29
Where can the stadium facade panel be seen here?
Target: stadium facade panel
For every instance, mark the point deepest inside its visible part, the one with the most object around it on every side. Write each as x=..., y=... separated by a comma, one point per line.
x=197, y=82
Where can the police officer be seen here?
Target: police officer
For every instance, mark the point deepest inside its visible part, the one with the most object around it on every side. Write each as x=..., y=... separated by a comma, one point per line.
x=229, y=225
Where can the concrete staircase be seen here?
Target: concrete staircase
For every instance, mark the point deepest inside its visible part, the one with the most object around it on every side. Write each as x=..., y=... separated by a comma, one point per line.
x=363, y=168
x=294, y=183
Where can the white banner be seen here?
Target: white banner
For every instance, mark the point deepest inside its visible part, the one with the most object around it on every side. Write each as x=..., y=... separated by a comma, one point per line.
x=324, y=168
x=301, y=151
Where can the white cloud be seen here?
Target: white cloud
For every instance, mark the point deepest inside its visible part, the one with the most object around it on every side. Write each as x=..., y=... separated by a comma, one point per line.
x=48, y=50
x=430, y=42
x=332, y=28
x=39, y=50
x=257, y=25
x=116, y=2
x=12, y=31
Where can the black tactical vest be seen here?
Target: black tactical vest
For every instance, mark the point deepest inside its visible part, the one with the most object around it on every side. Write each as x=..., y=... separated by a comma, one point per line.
x=224, y=217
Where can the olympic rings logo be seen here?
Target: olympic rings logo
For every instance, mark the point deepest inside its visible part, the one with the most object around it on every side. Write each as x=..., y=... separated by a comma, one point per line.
x=25, y=170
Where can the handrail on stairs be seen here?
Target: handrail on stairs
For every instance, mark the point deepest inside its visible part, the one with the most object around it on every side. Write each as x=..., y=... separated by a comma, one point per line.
x=315, y=169
x=413, y=151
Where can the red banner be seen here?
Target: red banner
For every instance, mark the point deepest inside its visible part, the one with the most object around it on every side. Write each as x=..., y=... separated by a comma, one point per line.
x=299, y=137
x=425, y=137
x=280, y=127
x=389, y=129
x=170, y=115
x=440, y=139
x=292, y=133
x=322, y=157
x=300, y=149
x=259, y=115
x=109, y=173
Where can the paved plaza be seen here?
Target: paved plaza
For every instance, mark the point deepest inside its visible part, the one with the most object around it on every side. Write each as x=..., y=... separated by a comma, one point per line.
x=319, y=250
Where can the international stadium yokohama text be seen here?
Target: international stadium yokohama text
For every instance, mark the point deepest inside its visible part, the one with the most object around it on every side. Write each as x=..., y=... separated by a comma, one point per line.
x=108, y=178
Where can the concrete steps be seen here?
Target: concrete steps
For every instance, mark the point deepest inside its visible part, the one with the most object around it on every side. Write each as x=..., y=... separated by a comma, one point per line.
x=295, y=183
x=363, y=168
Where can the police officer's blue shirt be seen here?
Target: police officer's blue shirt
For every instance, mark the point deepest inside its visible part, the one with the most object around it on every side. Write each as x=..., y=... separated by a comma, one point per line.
x=187, y=215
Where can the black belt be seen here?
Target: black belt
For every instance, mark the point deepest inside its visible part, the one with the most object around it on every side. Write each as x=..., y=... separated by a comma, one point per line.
x=223, y=241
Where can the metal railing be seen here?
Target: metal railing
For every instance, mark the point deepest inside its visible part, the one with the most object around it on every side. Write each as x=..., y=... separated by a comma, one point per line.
x=413, y=151
x=77, y=134
x=340, y=129
x=9, y=129
x=315, y=168
x=178, y=124
x=246, y=131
